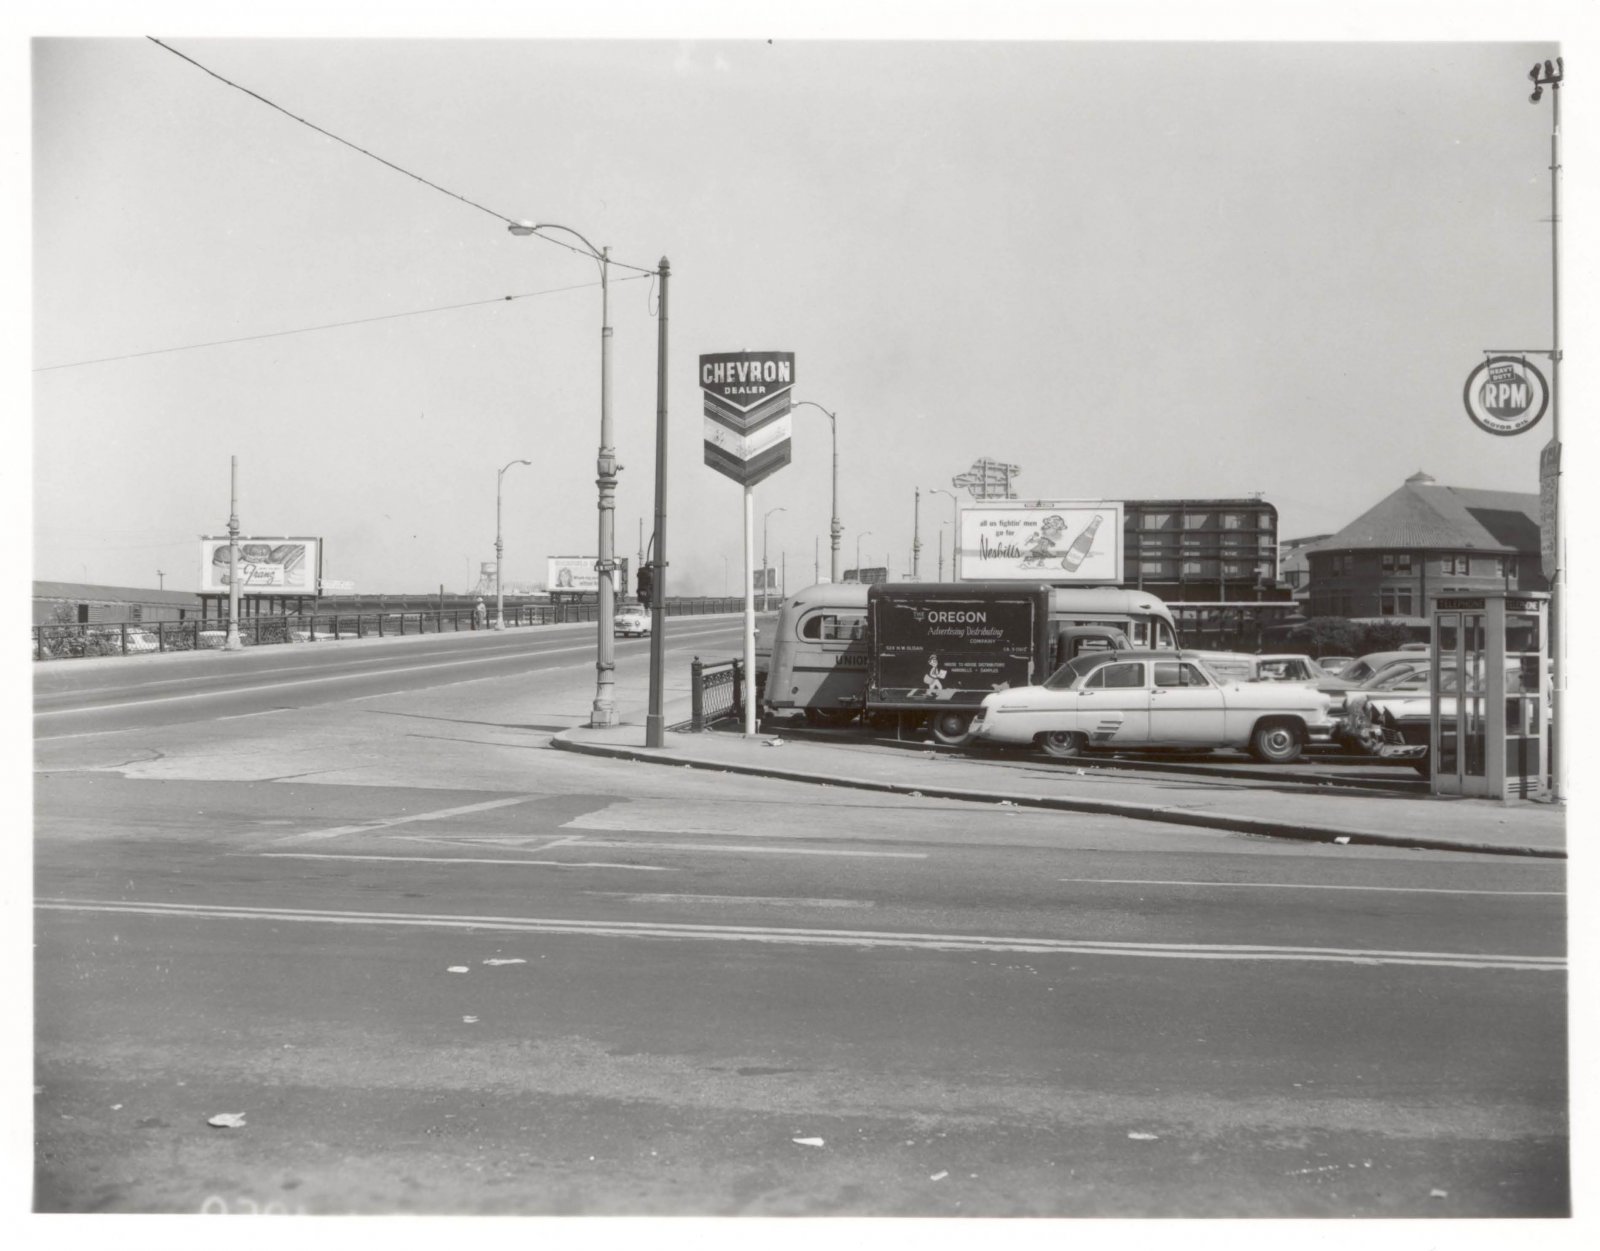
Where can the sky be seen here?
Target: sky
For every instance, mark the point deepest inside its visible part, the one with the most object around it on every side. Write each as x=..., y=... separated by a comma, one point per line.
x=1143, y=262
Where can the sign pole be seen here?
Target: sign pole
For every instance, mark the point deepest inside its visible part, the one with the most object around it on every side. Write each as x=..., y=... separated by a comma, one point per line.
x=232, y=642
x=749, y=611
x=654, y=726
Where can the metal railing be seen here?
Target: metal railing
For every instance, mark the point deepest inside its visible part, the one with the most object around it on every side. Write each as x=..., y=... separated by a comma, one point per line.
x=67, y=640
x=716, y=692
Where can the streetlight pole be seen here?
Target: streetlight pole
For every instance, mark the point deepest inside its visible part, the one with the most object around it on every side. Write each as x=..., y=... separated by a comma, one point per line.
x=604, y=712
x=654, y=729
x=955, y=532
x=161, y=580
x=765, y=598
x=1550, y=459
x=499, y=549
x=835, y=530
x=232, y=643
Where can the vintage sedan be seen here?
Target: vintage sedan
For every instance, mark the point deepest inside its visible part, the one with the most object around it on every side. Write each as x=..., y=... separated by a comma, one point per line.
x=1138, y=699
x=631, y=621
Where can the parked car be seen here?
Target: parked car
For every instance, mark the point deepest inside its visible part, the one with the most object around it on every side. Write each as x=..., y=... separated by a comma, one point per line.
x=1273, y=667
x=1155, y=699
x=635, y=621
x=1391, y=716
x=1332, y=665
x=142, y=641
x=1364, y=667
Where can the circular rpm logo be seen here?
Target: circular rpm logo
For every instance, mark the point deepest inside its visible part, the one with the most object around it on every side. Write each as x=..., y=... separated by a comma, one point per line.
x=1506, y=395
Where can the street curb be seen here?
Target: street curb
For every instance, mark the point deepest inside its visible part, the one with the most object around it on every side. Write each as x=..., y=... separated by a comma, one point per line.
x=1142, y=812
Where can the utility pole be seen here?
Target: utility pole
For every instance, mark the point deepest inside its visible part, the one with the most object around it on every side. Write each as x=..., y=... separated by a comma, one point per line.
x=916, y=534
x=1550, y=459
x=654, y=731
x=232, y=643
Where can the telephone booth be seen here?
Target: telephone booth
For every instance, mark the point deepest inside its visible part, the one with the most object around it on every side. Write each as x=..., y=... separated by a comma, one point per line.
x=1490, y=695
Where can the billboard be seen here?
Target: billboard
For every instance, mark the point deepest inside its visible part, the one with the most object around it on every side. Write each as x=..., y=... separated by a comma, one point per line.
x=747, y=424
x=288, y=565
x=577, y=573
x=1057, y=541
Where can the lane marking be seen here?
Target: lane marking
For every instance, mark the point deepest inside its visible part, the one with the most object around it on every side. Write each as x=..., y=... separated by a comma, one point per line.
x=770, y=901
x=742, y=850
x=821, y=937
x=312, y=836
x=1402, y=890
x=549, y=864
x=273, y=686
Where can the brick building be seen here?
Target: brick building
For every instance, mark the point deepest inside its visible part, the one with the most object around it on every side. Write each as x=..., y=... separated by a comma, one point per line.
x=1422, y=541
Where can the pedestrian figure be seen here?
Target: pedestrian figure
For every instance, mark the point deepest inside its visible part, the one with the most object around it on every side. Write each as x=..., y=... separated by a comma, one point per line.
x=480, y=614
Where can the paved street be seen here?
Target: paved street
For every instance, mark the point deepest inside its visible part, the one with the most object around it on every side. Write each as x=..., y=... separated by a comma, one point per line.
x=349, y=892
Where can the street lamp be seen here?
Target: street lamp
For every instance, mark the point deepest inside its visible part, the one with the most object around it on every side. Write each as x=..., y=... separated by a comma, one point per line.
x=859, y=537
x=499, y=549
x=604, y=712
x=955, y=533
x=764, y=578
x=161, y=583
x=834, y=528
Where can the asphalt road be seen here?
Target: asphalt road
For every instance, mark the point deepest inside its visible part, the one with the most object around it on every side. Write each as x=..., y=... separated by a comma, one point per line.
x=351, y=895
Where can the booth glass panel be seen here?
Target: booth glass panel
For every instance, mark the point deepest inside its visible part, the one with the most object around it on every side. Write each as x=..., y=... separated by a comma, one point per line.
x=1470, y=701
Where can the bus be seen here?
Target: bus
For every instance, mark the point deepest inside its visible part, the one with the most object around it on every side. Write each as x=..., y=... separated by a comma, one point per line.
x=817, y=658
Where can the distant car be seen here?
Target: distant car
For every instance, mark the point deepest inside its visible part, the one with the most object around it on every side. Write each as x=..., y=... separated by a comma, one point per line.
x=1331, y=665
x=1155, y=699
x=631, y=621
x=143, y=641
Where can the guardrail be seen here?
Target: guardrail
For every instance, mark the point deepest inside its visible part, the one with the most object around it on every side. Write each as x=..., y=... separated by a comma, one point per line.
x=68, y=640
x=716, y=692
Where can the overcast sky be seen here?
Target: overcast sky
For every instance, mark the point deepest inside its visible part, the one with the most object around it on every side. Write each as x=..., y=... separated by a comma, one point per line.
x=1134, y=269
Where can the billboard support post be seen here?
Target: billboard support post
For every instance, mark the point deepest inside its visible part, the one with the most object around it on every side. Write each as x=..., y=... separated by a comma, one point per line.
x=233, y=643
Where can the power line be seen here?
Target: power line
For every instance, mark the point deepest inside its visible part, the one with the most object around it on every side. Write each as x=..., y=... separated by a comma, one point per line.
x=254, y=95
x=333, y=325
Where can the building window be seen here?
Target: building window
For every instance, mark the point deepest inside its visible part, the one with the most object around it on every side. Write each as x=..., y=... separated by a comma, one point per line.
x=1155, y=521
x=1386, y=602
x=1447, y=564
x=1402, y=598
x=1196, y=521
x=1232, y=521
x=1397, y=562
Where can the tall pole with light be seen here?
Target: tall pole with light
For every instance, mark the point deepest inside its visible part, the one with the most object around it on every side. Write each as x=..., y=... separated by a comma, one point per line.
x=604, y=712
x=1551, y=76
x=835, y=529
x=499, y=549
x=232, y=643
x=916, y=534
x=765, y=580
x=955, y=532
x=654, y=729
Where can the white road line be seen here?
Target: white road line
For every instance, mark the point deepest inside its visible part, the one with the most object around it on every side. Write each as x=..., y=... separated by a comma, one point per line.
x=742, y=849
x=312, y=836
x=1401, y=890
x=822, y=938
x=275, y=686
x=549, y=864
x=766, y=901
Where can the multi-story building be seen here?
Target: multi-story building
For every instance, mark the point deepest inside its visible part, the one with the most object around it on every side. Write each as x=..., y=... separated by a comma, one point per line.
x=1422, y=541
x=1214, y=551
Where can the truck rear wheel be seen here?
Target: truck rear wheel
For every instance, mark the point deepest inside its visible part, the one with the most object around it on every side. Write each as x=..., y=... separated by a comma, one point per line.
x=951, y=728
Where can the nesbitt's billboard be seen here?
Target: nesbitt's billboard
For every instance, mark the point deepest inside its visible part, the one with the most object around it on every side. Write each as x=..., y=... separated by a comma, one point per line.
x=1058, y=541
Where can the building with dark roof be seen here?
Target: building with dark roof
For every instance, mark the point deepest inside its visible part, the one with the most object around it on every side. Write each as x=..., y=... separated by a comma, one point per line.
x=1423, y=541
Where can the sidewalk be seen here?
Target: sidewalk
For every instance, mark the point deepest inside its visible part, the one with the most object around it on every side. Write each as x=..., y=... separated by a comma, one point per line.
x=1374, y=818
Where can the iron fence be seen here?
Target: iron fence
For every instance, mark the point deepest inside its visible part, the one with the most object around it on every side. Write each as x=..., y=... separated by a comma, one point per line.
x=67, y=640
x=716, y=692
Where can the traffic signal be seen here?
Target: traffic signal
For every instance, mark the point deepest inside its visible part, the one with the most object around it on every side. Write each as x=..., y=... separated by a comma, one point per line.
x=645, y=584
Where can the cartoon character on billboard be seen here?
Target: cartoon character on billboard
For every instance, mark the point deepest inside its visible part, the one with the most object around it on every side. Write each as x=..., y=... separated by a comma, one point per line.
x=933, y=680
x=1043, y=544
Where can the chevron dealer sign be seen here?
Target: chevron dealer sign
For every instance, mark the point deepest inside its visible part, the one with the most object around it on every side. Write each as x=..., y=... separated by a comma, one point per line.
x=747, y=421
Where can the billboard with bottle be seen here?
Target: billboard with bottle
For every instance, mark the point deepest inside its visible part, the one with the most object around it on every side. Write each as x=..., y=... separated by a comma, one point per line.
x=1055, y=541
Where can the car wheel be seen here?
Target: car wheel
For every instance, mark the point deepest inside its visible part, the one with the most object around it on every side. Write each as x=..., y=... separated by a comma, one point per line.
x=1276, y=742
x=951, y=728
x=830, y=716
x=1062, y=744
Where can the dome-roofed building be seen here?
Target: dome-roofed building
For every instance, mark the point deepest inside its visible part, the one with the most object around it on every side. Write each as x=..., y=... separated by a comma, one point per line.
x=1422, y=541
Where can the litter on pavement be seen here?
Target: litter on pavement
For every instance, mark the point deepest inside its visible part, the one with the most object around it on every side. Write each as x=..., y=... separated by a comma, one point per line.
x=807, y=1142
x=227, y=1120
x=458, y=968
x=510, y=960
x=940, y=1176
x=1140, y=1137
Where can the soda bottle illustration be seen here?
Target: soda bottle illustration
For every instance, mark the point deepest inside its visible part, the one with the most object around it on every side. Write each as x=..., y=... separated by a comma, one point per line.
x=1080, y=546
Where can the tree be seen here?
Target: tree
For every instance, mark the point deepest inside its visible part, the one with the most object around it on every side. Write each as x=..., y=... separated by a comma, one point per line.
x=1385, y=636
x=1327, y=636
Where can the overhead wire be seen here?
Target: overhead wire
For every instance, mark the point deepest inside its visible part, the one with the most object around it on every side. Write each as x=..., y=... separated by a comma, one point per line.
x=333, y=325
x=399, y=169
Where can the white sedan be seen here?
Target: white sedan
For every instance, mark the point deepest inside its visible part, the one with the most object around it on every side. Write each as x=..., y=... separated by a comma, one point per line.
x=1155, y=699
x=634, y=621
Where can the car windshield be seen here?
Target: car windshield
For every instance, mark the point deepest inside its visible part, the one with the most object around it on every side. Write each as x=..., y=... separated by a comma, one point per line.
x=1400, y=676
